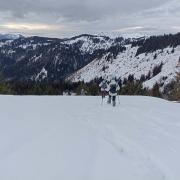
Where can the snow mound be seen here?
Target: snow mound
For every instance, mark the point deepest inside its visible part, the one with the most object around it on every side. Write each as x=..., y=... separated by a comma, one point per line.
x=43, y=138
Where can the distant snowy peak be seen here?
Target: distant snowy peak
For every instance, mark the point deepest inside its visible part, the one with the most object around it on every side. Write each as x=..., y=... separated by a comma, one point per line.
x=133, y=35
x=10, y=36
x=89, y=43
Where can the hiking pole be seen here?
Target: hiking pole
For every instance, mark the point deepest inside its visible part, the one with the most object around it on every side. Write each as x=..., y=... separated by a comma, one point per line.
x=102, y=101
x=119, y=99
x=103, y=96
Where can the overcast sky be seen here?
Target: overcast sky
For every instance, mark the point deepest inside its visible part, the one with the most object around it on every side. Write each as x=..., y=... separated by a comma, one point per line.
x=63, y=18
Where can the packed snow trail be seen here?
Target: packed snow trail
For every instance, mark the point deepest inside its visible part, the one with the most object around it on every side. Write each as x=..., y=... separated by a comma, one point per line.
x=44, y=138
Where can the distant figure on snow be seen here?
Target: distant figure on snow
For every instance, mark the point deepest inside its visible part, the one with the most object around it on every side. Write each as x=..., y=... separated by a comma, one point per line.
x=104, y=88
x=113, y=89
x=83, y=92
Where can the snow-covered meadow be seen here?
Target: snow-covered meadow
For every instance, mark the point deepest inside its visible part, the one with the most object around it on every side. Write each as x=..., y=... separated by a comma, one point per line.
x=75, y=138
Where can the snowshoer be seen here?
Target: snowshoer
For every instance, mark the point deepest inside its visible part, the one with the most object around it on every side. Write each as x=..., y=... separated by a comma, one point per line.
x=113, y=88
x=83, y=92
x=103, y=85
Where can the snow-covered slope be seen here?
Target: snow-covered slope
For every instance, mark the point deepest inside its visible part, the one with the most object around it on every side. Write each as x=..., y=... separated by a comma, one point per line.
x=127, y=63
x=43, y=138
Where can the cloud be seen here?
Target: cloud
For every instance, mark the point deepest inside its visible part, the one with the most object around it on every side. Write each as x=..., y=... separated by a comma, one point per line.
x=176, y=27
x=87, y=10
x=127, y=29
x=69, y=17
x=30, y=27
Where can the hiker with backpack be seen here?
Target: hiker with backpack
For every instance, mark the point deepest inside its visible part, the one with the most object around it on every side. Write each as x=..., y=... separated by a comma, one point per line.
x=113, y=89
x=104, y=88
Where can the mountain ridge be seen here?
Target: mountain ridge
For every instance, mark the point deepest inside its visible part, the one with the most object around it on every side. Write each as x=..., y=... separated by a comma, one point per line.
x=53, y=59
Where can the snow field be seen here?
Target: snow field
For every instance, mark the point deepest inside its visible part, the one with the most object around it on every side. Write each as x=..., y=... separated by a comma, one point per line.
x=44, y=138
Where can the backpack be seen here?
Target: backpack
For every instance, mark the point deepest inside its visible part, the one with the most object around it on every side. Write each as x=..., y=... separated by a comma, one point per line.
x=113, y=88
x=104, y=85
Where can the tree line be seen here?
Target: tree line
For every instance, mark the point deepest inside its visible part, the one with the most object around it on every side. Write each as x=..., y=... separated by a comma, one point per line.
x=129, y=86
x=91, y=88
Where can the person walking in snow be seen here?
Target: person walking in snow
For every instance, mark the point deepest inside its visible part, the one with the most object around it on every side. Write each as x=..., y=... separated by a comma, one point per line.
x=113, y=89
x=83, y=92
x=103, y=85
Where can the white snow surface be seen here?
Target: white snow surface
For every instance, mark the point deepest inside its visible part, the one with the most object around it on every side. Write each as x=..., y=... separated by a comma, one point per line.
x=43, y=138
x=127, y=63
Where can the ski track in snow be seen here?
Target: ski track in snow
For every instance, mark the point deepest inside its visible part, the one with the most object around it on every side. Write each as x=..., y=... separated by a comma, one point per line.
x=135, y=151
x=138, y=139
x=126, y=146
x=132, y=150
